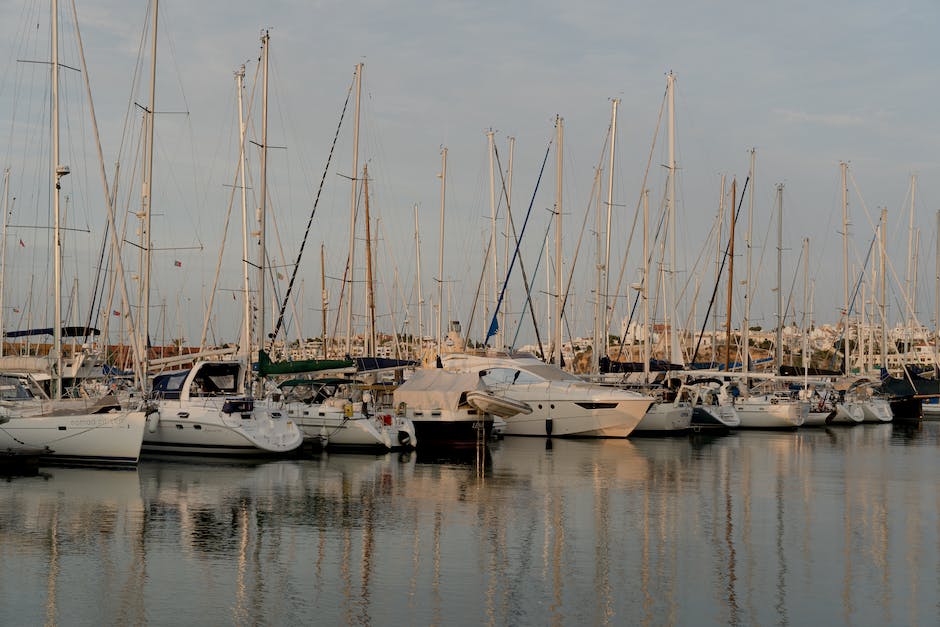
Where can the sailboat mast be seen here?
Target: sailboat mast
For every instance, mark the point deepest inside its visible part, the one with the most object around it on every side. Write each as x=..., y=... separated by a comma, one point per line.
x=559, y=288
x=734, y=186
x=778, y=345
x=57, y=172
x=324, y=301
x=370, y=288
x=675, y=351
x=418, y=272
x=500, y=341
x=599, y=277
x=718, y=255
x=805, y=348
x=262, y=211
x=746, y=327
x=440, y=257
x=493, y=255
x=352, y=214
x=610, y=204
x=647, y=332
x=3, y=247
x=246, y=304
x=882, y=261
x=147, y=201
x=843, y=166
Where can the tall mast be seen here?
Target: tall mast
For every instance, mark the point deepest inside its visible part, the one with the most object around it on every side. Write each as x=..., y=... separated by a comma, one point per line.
x=246, y=304
x=734, y=187
x=500, y=341
x=882, y=229
x=3, y=247
x=440, y=257
x=370, y=289
x=352, y=214
x=778, y=345
x=746, y=327
x=911, y=271
x=57, y=172
x=843, y=166
x=420, y=297
x=675, y=351
x=610, y=204
x=599, y=284
x=936, y=293
x=147, y=201
x=805, y=348
x=324, y=300
x=559, y=288
x=262, y=211
x=493, y=255
x=647, y=332
x=718, y=255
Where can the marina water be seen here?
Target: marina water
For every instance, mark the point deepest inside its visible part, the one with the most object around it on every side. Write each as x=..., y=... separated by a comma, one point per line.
x=829, y=526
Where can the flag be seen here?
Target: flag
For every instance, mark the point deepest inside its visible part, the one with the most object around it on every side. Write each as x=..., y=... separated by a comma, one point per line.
x=22, y=244
x=178, y=263
x=116, y=312
x=15, y=310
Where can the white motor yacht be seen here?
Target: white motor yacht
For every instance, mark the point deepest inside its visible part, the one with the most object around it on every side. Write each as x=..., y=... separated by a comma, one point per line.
x=561, y=403
x=204, y=411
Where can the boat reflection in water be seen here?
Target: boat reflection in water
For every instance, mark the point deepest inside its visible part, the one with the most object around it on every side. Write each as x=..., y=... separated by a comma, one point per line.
x=823, y=525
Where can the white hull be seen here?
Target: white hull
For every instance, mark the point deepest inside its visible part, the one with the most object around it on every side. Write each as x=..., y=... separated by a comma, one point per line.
x=761, y=412
x=666, y=417
x=200, y=427
x=877, y=410
x=112, y=438
x=817, y=419
x=331, y=427
x=613, y=417
x=849, y=413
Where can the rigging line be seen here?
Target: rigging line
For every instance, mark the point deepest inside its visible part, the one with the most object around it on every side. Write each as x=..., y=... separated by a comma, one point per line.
x=721, y=268
x=647, y=262
x=528, y=293
x=316, y=202
x=516, y=254
x=518, y=240
x=577, y=250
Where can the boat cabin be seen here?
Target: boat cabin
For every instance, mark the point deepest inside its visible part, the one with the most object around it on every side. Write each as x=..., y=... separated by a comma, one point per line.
x=209, y=378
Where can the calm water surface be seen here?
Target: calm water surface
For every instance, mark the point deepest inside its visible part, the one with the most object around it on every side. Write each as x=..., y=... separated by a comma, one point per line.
x=833, y=526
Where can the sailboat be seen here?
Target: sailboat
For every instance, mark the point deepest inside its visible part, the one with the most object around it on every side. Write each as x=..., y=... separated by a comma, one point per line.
x=90, y=431
x=208, y=409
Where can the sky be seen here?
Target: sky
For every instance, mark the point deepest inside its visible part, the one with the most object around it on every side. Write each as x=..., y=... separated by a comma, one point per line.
x=806, y=85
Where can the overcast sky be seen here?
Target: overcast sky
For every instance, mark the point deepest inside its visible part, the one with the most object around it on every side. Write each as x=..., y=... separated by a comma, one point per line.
x=806, y=84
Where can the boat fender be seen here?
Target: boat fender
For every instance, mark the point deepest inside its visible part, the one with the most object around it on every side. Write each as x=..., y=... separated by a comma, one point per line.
x=153, y=421
x=404, y=438
x=548, y=426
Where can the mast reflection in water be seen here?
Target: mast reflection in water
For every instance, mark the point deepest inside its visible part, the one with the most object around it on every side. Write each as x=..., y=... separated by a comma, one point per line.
x=834, y=526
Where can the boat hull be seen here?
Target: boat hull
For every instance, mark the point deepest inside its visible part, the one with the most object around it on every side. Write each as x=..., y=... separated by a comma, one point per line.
x=765, y=414
x=665, y=418
x=108, y=439
x=203, y=428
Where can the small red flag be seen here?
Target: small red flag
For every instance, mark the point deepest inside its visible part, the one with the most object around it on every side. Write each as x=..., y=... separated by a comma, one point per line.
x=116, y=312
x=178, y=263
x=22, y=243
